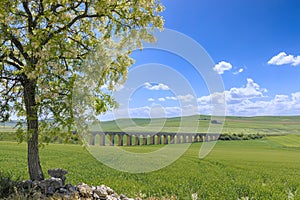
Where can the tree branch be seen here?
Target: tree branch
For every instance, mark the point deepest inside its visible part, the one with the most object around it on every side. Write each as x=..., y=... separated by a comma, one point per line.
x=18, y=44
x=12, y=63
x=10, y=88
x=70, y=24
x=80, y=43
x=29, y=16
x=40, y=13
x=10, y=79
x=11, y=56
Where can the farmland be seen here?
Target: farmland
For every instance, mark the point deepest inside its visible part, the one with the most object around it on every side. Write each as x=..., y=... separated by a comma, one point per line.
x=267, y=168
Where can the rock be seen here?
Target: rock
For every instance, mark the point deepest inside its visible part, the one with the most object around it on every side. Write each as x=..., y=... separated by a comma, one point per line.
x=55, y=188
x=35, y=184
x=49, y=186
x=63, y=190
x=111, y=198
x=71, y=188
x=96, y=196
x=109, y=190
x=84, y=190
x=101, y=191
x=27, y=184
x=58, y=173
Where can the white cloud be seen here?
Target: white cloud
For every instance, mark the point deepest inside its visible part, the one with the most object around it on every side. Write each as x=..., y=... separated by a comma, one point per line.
x=281, y=98
x=296, y=97
x=250, y=101
x=237, y=99
x=171, y=98
x=279, y=105
x=222, y=66
x=234, y=95
x=283, y=59
x=159, y=86
x=238, y=71
x=296, y=61
x=186, y=98
x=252, y=90
x=204, y=100
x=173, y=111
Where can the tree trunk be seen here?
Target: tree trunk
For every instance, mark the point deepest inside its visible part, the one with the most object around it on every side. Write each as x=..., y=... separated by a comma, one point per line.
x=34, y=166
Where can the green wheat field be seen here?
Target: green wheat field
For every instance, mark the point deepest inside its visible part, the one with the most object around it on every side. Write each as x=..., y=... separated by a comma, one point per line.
x=267, y=168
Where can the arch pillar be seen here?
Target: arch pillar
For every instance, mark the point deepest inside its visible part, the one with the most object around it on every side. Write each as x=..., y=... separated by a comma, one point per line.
x=184, y=138
x=165, y=139
x=144, y=139
x=102, y=139
x=92, y=139
x=120, y=138
x=196, y=138
x=158, y=139
x=152, y=139
x=112, y=139
x=129, y=140
x=190, y=138
x=178, y=138
x=202, y=138
x=137, y=140
x=172, y=139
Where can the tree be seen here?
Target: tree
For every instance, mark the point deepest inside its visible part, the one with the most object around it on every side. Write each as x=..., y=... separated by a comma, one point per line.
x=44, y=46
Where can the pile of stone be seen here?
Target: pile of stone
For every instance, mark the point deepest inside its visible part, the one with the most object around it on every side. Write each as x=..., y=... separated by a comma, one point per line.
x=55, y=188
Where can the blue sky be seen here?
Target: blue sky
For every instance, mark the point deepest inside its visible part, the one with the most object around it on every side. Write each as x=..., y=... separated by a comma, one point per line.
x=255, y=46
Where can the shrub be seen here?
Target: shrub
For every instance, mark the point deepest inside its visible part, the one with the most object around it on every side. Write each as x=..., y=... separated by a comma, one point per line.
x=240, y=136
x=8, y=186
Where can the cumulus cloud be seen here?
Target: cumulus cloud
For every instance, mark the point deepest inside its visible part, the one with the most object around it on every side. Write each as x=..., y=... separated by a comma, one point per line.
x=296, y=97
x=171, y=98
x=279, y=105
x=250, y=100
x=161, y=99
x=222, y=66
x=159, y=86
x=184, y=98
x=153, y=111
x=251, y=90
x=235, y=96
x=283, y=59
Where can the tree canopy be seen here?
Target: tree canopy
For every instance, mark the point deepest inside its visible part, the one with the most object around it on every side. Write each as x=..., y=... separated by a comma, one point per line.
x=46, y=46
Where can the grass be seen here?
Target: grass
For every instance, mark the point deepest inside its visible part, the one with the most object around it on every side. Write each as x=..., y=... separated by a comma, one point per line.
x=232, y=125
x=292, y=140
x=267, y=168
x=197, y=123
x=260, y=169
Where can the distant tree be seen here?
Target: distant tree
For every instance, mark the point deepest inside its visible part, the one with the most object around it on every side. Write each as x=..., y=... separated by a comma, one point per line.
x=44, y=46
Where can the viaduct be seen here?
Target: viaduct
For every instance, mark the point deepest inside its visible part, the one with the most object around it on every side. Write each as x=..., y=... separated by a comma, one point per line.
x=130, y=139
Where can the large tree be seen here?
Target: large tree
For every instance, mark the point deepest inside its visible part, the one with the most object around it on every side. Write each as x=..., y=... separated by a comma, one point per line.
x=44, y=47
